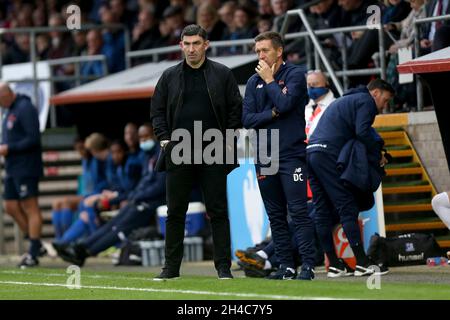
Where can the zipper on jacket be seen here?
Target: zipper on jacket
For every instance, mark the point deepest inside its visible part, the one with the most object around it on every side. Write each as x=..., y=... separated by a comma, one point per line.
x=212, y=104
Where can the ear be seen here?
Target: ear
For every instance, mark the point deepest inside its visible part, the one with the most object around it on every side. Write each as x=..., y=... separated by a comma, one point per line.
x=181, y=44
x=206, y=44
x=280, y=52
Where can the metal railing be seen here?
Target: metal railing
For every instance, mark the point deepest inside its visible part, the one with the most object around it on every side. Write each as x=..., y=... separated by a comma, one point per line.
x=417, y=22
x=307, y=35
x=34, y=31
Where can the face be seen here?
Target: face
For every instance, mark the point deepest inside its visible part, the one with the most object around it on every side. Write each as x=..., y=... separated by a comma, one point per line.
x=205, y=18
x=381, y=98
x=145, y=134
x=266, y=52
x=226, y=14
x=240, y=19
x=117, y=154
x=194, y=48
x=416, y=4
x=94, y=40
x=130, y=136
x=264, y=7
x=100, y=154
x=279, y=7
x=322, y=7
x=316, y=80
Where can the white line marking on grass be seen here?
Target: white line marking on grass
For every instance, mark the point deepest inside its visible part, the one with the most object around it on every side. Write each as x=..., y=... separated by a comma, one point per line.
x=226, y=294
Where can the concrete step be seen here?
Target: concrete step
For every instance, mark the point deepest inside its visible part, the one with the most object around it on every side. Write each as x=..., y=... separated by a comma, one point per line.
x=408, y=208
x=406, y=189
x=416, y=226
x=403, y=171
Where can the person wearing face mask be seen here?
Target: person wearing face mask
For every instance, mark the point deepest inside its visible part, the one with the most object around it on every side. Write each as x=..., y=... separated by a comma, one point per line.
x=350, y=117
x=139, y=211
x=320, y=98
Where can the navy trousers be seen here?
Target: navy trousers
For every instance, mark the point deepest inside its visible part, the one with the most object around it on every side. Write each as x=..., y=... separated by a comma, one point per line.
x=331, y=196
x=282, y=193
x=130, y=217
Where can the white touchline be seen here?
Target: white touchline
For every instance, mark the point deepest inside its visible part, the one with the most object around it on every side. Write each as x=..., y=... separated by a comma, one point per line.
x=242, y=295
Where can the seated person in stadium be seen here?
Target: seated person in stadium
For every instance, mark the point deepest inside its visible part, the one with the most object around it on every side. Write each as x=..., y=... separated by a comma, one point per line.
x=131, y=138
x=92, y=180
x=139, y=211
x=122, y=176
x=441, y=206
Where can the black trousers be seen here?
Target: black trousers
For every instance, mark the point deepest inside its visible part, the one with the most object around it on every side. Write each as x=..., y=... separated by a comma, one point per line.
x=212, y=180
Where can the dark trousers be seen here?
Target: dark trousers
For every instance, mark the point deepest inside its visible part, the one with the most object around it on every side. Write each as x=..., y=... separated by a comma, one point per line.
x=130, y=217
x=283, y=192
x=212, y=180
x=330, y=194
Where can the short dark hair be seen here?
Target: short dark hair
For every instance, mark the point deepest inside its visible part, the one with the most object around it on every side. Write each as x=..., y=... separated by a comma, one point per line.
x=194, y=30
x=380, y=84
x=274, y=37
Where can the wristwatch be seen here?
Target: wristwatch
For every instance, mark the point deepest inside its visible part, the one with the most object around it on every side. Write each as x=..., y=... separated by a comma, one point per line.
x=163, y=143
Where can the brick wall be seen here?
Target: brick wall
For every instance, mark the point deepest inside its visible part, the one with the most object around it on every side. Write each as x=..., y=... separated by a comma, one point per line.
x=424, y=133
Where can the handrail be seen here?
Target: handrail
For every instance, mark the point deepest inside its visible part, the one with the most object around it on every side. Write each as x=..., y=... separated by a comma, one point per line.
x=318, y=47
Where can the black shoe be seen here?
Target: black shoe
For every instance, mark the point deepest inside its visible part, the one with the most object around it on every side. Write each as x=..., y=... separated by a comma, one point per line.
x=306, y=273
x=252, y=272
x=224, y=274
x=340, y=270
x=75, y=254
x=28, y=261
x=167, y=274
x=283, y=274
x=252, y=258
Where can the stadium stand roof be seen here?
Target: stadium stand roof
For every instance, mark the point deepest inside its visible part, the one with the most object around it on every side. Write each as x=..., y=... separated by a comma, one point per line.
x=135, y=83
x=438, y=61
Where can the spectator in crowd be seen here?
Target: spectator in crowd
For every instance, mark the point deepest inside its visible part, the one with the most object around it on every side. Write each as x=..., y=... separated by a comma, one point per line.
x=39, y=17
x=131, y=138
x=245, y=28
x=350, y=117
x=124, y=16
x=123, y=174
x=264, y=24
x=95, y=46
x=61, y=46
x=21, y=149
x=19, y=51
x=275, y=98
x=165, y=32
x=226, y=13
x=280, y=7
x=145, y=33
x=64, y=209
x=139, y=211
x=434, y=8
x=42, y=46
x=113, y=40
x=396, y=11
x=265, y=8
x=80, y=42
x=196, y=75
x=441, y=206
x=405, y=93
x=175, y=21
x=188, y=9
x=208, y=19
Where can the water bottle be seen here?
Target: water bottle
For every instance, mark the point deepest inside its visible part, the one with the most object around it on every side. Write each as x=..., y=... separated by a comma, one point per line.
x=437, y=261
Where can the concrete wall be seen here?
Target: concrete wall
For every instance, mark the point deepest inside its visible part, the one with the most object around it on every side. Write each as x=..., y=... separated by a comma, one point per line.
x=424, y=132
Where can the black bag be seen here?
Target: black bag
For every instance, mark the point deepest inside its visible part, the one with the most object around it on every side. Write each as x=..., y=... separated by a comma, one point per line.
x=403, y=250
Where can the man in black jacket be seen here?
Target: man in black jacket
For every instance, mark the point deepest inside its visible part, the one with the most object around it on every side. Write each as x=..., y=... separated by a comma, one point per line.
x=195, y=92
x=21, y=147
